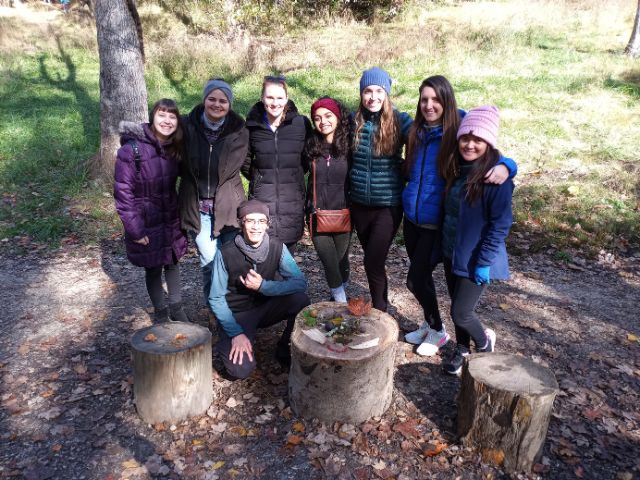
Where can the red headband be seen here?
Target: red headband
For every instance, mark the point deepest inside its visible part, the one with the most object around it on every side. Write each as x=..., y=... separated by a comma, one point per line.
x=328, y=103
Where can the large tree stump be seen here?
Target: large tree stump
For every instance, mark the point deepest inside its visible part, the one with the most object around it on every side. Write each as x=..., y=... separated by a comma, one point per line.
x=172, y=371
x=504, y=408
x=350, y=386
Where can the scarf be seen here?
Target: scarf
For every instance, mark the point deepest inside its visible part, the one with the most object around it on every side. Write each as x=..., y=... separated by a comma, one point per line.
x=255, y=254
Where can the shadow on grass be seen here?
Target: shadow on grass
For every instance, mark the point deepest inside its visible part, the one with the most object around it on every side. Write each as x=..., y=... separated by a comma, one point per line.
x=629, y=83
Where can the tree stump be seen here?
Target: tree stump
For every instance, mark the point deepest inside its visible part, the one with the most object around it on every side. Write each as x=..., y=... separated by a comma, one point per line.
x=504, y=408
x=350, y=386
x=172, y=371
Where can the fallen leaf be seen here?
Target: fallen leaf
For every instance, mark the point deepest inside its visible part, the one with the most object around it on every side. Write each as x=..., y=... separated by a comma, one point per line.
x=24, y=349
x=196, y=442
x=493, y=455
x=150, y=337
x=298, y=427
x=504, y=306
x=127, y=464
x=408, y=428
x=180, y=337
x=293, y=440
x=56, y=448
x=219, y=464
x=632, y=338
x=433, y=449
x=232, y=403
x=357, y=306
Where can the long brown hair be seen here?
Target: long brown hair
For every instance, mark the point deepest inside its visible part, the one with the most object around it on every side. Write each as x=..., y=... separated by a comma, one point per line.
x=475, y=182
x=174, y=147
x=450, y=124
x=387, y=135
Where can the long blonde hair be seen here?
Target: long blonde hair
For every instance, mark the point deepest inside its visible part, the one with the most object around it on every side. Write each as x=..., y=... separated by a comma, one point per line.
x=387, y=135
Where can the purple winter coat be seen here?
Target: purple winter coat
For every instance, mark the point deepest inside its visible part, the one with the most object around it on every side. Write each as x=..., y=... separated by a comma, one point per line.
x=147, y=201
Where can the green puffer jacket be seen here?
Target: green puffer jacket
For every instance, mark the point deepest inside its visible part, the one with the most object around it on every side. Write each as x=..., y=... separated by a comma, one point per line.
x=374, y=180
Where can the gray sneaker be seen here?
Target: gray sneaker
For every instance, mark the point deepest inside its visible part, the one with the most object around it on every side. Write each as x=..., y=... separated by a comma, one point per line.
x=433, y=342
x=417, y=336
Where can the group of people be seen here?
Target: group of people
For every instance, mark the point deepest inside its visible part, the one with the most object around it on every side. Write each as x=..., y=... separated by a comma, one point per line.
x=453, y=188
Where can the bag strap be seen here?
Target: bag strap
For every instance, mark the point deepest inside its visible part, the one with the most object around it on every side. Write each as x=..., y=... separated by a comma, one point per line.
x=313, y=172
x=136, y=154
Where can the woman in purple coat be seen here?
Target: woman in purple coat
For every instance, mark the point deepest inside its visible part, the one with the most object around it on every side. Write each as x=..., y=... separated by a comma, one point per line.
x=146, y=200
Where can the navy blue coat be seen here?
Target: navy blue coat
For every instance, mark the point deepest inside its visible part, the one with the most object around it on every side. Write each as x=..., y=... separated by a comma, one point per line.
x=481, y=232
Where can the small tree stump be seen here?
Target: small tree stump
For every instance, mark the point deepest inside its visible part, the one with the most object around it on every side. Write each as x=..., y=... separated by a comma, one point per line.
x=504, y=408
x=172, y=371
x=350, y=386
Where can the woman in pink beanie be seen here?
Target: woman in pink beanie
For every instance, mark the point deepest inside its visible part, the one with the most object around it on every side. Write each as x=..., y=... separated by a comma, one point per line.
x=476, y=223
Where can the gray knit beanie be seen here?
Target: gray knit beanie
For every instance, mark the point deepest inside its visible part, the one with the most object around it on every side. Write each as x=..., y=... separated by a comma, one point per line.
x=217, y=84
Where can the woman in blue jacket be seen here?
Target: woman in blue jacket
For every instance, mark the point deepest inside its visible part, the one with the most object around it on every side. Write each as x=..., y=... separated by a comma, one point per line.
x=432, y=138
x=375, y=177
x=477, y=219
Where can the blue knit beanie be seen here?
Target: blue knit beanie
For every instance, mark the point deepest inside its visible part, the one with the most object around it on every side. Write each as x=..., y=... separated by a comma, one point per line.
x=375, y=76
x=217, y=84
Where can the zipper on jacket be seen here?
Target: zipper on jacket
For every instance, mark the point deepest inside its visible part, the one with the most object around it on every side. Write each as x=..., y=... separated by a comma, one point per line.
x=369, y=153
x=209, y=172
x=275, y=144
x=424, y=158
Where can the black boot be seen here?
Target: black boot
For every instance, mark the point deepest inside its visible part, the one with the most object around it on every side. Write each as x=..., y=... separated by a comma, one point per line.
x=177, y=313
x=161, y=315
x=283, y=354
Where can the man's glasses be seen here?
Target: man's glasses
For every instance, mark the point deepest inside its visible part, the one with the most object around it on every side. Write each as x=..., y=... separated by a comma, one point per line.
x=261, y=222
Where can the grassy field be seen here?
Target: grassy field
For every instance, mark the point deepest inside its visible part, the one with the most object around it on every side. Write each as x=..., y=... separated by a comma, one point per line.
x=569, y=100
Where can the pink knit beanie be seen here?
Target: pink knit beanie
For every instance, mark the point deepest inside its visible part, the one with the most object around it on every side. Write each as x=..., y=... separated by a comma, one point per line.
x=482, y=122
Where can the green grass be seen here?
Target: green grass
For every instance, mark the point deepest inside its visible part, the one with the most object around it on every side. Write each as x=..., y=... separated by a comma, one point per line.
x=570, y=104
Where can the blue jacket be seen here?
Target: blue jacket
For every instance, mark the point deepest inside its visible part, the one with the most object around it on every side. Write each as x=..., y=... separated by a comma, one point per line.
x=377, y=180
x=423, y=195
x=481, y=232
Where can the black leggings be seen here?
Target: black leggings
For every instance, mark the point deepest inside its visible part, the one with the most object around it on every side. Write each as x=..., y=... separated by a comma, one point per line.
x=274, y=310
x=376, y=227
x=464, y=298
x=420, y=243
x=153, y=279
x=333, y=250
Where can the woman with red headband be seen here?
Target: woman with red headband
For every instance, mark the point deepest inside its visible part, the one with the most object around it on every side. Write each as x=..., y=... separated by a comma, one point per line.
x=327, y=154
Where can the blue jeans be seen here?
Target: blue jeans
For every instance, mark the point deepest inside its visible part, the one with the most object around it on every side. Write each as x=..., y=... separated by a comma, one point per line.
x=207, y=246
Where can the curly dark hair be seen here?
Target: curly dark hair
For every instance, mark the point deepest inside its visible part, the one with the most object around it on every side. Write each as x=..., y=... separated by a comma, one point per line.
x=341, y=138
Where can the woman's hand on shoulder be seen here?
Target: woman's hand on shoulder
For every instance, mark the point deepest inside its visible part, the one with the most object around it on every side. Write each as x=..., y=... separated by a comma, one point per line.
x=142, y=241
x=497, y=175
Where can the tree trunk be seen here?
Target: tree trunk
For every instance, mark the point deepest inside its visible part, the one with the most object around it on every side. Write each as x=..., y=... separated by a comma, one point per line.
x=504, y=408
x=172, y=371
x=633, y=47
x=346, y=386
x=123, y=94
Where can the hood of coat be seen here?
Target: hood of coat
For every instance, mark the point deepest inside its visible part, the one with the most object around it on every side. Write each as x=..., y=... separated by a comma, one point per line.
x=140, y=132
x=256, y=114
x=232, y=122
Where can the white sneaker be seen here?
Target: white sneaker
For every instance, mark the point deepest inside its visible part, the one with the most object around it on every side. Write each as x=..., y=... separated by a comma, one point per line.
x=491, y=341
x=417, y=336
x=433, y=342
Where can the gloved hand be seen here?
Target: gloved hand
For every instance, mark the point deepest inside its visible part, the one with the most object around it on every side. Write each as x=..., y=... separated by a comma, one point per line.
x=482, y=275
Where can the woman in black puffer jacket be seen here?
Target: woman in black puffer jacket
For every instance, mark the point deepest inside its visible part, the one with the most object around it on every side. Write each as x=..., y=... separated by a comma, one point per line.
x=274, y=166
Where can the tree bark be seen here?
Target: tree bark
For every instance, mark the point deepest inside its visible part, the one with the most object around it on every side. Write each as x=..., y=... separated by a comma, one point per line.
x=504, y=408
x=123, y=93
x=633, y=47
x=172, y=371
x=350, y=386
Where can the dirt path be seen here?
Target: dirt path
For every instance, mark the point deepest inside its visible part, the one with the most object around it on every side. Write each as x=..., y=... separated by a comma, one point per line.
x=67, y=412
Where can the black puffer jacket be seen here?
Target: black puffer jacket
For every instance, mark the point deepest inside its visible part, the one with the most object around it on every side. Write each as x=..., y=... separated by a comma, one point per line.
x=227, y=154
x=276, y=169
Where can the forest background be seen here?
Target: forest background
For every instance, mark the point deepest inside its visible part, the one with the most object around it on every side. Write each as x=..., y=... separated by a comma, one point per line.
x=569, y=98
